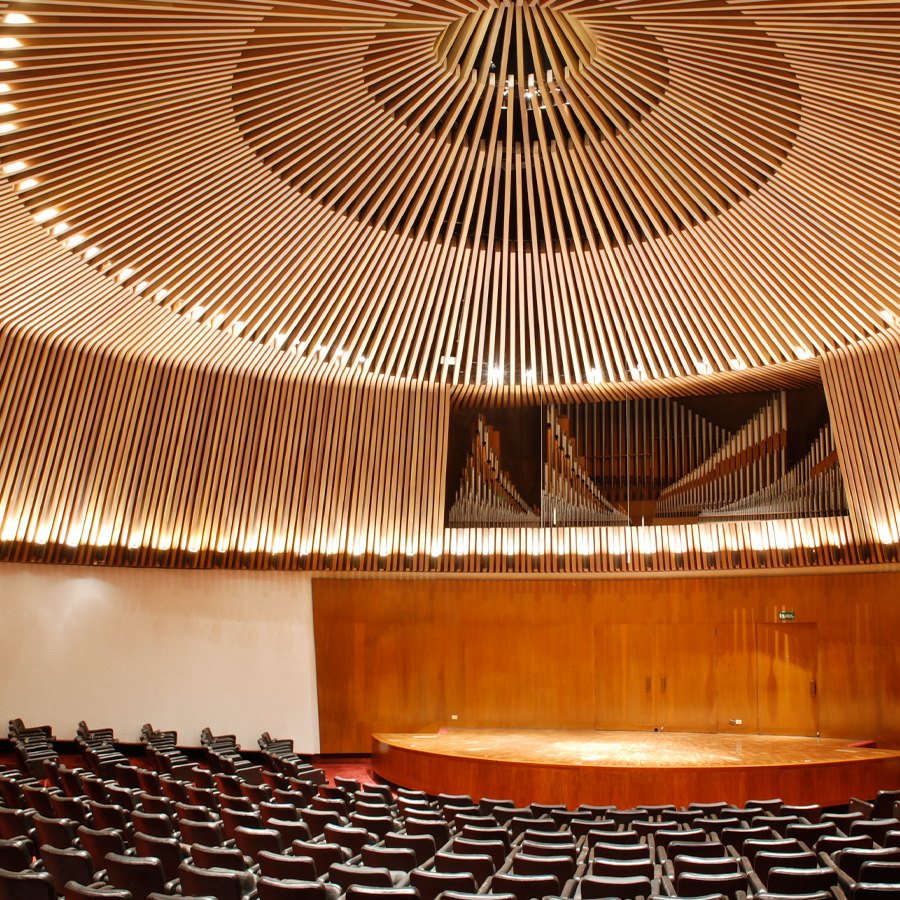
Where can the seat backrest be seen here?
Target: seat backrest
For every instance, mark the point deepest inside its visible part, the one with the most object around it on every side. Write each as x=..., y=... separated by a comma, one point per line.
x=783, y=880
x=273, y=889
x=437, y=828
x=100, y=842
x=778, y=824
x=285, y=811
x=218, y=883
x=67, y=865
x=141, y=875
x=167, y=850
x=317, y=819
x=289, y=831
x=252, y=840
x=722, y=865
x=594, y=887
x=210, y=834
x=880, y=873
x=765, y=862
x=75, y=891
x=344, y=875
x=866, y=891
x=622, y=868
x=16, y=854
x=204, y=857
x=538, y=848
x=479, y=864
x=850, y=860
x=364, y=892
x=423, y=845
x=484, y=833
x=293, y=868
x=784, y=845
x=613, y=837
x=831, y=845
x=526, y=887
x=698, y=884
x=737, y=837
x=875, y=828
x=707, y=849
x=666, y=836
x=193, y=812
x=809, y=834
x=26, y=886
x=621, y=851
x=323, y=854
x=156, y=824
x=811, y=812
x=563, y=867
x=13, y=823
x=429, y=883
x=349, y=836
x=398, y=859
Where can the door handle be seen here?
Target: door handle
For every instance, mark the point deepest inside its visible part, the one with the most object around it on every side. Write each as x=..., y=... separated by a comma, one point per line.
x=649, y=686
x=662, y=683
x=813, y=689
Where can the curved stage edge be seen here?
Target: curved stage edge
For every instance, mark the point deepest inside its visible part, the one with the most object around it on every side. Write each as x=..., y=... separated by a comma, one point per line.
x=628, y=768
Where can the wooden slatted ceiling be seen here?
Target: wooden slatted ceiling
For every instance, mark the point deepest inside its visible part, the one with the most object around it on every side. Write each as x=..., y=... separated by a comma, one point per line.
x=862, y=384
x=709, y=187
x=212, y=429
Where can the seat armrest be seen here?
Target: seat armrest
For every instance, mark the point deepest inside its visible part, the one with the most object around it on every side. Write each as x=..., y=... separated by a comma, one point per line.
x=668, y=887
x=755, y=882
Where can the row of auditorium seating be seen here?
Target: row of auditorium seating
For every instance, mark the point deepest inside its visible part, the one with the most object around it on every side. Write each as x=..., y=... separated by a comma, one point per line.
x=101, y=754
x=145, y=834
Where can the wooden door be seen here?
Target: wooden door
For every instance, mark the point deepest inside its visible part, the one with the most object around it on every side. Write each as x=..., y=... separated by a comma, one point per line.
x=624, y=677
x=787, y=678
x=685, y=677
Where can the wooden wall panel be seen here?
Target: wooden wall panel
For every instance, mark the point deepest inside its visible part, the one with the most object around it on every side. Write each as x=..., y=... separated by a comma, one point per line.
x=398, y=655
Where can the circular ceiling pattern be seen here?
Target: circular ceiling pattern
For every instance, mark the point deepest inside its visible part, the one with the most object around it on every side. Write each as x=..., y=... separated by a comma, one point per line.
x=482, y=194
x=523, y=124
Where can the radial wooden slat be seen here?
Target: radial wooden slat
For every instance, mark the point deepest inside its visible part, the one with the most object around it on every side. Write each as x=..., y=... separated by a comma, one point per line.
x=251, y=254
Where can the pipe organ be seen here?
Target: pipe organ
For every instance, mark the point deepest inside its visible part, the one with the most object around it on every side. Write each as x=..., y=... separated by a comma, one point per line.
x=486, y=494
x=813, y=487
x=751, y=460
x=635, y=448
x=570, y=496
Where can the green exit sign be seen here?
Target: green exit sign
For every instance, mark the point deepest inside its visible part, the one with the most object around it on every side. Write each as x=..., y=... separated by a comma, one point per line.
x=786, y=615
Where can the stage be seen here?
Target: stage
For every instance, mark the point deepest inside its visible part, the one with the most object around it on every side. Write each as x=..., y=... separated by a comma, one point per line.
x=625, y=768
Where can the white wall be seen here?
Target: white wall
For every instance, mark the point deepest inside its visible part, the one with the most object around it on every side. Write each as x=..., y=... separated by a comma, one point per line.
x=233, y=650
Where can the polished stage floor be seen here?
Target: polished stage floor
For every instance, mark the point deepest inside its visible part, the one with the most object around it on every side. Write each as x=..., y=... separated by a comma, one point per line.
x=625, y=768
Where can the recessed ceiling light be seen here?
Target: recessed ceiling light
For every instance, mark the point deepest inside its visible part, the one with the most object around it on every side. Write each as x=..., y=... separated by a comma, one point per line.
x=17, y=19
x=44, y=215
x=8, y=43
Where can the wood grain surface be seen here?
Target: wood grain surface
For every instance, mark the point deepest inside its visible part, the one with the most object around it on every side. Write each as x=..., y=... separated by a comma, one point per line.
x=405, y=655
x=626, y=768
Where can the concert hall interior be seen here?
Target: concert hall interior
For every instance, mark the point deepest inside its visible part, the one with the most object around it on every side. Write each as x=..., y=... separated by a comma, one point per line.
x=387, y=366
